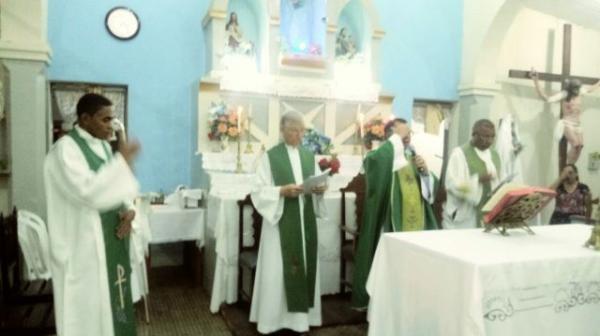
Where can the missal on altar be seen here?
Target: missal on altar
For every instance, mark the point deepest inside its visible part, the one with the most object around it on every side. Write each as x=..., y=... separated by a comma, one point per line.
x=514, y=202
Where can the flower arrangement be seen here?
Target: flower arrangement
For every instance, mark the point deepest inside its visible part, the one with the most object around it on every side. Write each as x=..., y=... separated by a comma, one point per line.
x=222, y=122
x=333, y=164
x=374, y=130
x=316, y=142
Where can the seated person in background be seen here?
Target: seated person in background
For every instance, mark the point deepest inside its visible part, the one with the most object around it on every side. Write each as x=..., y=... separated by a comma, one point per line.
x=572, y=197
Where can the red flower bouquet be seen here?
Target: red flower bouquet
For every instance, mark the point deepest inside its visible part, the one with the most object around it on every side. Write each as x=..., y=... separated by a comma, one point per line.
x=333, y=164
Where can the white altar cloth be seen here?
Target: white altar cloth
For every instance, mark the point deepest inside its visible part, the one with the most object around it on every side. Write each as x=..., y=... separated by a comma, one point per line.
x=466, y=282
x=170, y=223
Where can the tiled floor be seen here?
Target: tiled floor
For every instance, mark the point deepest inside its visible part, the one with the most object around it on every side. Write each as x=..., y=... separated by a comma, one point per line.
x=178, y=308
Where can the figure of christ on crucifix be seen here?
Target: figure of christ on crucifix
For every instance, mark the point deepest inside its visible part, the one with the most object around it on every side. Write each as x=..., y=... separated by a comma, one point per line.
x=570, y=98
x=570, y=122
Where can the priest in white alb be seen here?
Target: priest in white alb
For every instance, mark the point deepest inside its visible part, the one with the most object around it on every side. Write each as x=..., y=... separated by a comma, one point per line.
x=286, y=287
x=87, y=189
x=474, y=170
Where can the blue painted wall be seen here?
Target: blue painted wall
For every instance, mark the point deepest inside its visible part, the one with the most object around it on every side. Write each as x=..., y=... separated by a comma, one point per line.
x=162, y=67
x=420, y=58
x=421, y=51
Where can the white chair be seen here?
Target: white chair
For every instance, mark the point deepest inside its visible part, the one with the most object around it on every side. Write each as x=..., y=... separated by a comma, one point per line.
x=33, y=239
x=140, y=239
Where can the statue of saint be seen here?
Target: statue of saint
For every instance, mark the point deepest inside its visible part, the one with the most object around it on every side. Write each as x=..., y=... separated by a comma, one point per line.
x=570, y=123
x=344, y=45
x=235, y=38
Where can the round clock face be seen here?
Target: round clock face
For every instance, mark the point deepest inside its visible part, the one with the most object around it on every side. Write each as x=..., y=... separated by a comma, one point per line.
x=122, y=23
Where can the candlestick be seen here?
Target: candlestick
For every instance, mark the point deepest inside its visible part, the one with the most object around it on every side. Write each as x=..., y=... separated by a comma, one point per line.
x=239, y=119
x=238, y=165
x=249, y=149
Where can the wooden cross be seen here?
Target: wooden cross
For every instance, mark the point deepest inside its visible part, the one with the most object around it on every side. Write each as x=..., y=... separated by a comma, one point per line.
x=550, y=77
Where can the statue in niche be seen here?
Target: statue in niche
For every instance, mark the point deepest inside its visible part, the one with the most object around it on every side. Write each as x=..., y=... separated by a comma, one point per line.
x=235, y=38
x=303, y=26
x=344, y=45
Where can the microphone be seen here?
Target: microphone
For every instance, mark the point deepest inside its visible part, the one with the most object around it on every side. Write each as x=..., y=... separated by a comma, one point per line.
x=410, y=150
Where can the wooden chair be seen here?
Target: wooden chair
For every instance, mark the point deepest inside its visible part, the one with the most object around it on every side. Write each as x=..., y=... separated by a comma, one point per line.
x=25, y=306
x=248, y=255
x=349, y=245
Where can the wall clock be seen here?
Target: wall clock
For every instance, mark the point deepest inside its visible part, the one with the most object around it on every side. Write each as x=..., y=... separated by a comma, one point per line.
x=122, y=23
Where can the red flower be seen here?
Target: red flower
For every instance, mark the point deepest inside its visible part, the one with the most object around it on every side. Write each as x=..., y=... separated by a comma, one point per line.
x=333, y=164
x=323, y=164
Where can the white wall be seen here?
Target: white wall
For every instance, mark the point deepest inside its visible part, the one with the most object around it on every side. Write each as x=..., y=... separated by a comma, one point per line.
x=535, y=40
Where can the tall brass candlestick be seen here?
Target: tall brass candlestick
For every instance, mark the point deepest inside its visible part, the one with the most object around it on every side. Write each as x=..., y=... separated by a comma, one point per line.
x=248, y=144
x=238, y=166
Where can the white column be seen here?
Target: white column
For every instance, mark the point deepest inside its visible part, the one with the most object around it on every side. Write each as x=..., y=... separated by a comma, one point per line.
x=25, y=54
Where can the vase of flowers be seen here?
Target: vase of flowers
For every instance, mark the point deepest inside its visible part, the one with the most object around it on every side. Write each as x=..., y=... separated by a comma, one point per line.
x=316, y=142
x=374, y=133
x=223, y=124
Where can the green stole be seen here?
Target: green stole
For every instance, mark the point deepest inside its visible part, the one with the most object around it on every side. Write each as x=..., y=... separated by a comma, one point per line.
x=409, y=211
x=117, y=253
x=378, y=211
x=477, y=166
x=299, y=282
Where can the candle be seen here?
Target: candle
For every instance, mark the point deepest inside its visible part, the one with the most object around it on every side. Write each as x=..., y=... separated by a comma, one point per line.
x=239, y=119
x=361, y=123
x=249, y=118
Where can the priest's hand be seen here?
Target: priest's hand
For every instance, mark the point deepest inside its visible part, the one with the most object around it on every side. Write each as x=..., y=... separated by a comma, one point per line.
x=421, y=165
x=319, y=190
x=290, y=190
x=129, y=150
x=485, y=178
x=124, y=228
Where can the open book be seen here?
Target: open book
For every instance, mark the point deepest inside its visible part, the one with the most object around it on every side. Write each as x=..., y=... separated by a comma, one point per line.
x=516, y=202
x=315, y=180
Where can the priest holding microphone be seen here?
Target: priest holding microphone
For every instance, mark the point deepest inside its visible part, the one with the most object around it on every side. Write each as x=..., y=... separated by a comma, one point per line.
x=400, y=192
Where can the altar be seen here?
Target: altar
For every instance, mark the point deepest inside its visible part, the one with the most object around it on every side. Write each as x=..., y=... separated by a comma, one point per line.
x=466, y=282
x=264, y=59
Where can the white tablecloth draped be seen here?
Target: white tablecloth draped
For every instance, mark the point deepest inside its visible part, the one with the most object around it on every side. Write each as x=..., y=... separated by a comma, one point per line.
x=466, y=282
x=170, y=223
x=223, y=227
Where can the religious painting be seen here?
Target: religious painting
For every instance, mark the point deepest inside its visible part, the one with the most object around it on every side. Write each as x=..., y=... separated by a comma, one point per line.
x=303, y=27
x=64, y=98
x=428, y=121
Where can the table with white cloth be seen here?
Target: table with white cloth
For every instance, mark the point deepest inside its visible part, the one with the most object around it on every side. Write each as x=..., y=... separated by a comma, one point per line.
x=222, y=230
x=467, y=282
x=169, y=223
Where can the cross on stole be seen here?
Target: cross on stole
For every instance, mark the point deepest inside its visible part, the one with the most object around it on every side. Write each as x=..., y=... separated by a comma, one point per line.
x=120, y=281
x=551, y=77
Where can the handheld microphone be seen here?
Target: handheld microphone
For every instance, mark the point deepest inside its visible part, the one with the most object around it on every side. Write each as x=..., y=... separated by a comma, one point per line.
x=410, y=149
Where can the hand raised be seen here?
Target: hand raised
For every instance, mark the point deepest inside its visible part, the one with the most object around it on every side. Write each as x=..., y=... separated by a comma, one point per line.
x=129, y=150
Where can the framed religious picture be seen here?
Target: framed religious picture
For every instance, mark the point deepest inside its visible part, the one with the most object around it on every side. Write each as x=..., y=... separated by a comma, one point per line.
x=64, y=98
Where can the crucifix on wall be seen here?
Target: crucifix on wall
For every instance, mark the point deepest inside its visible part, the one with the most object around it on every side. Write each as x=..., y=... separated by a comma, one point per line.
x=569, y=96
